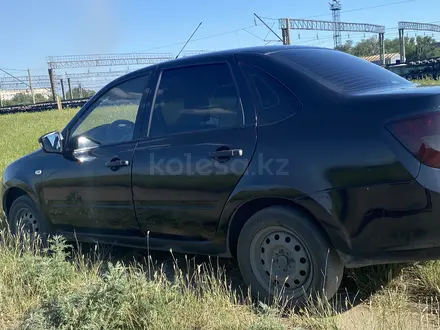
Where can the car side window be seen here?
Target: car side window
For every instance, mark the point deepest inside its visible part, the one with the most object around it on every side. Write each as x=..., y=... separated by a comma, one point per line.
x=195, y=98
x=274, y=102
x=112, y=117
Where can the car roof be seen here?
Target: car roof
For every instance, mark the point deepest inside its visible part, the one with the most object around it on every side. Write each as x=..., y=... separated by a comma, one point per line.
x=263, y=50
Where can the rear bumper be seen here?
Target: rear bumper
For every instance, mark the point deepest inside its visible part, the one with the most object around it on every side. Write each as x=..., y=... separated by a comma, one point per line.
x=429, y=178
x=394, y=223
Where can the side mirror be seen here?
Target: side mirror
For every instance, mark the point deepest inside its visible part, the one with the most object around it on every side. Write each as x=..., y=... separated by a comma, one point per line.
x=52, y=142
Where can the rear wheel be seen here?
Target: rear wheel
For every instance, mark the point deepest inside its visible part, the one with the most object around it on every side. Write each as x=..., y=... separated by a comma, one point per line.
x=25, y=218
x=283, y=253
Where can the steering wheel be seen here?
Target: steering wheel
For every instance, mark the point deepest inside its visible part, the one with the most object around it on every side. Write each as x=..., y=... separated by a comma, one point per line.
x=120, y=130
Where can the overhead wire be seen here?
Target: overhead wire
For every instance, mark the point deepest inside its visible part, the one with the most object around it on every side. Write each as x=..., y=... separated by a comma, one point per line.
x=256, y=24
x=14, y=69
x=205, y=37
x=352, y=10
x=253, y=34
x=18, y=79
x=253, y=26
x=365, y=8
x=264, y=39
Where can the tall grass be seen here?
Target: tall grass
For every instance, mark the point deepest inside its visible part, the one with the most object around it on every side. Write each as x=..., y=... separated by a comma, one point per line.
x=62, y=287
x=427, y=82
x=59, y=287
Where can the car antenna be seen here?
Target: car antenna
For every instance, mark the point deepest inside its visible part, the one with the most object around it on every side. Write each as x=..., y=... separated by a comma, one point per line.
x=189, y=39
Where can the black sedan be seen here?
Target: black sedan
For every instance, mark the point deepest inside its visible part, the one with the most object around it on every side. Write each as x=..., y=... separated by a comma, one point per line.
x=297, y=161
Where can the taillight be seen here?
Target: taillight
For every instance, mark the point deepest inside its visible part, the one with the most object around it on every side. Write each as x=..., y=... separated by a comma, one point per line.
x=421, y=135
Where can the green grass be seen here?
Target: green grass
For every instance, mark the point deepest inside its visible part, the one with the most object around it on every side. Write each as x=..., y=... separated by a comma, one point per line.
x=428, y=82
x=64, y=288
x=19, y=133
x=42, y=290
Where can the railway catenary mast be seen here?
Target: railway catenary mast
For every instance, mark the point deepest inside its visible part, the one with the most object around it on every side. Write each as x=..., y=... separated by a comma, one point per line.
x=335, y=7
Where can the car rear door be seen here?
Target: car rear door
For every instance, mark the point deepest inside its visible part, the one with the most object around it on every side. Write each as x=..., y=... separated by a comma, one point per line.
x=200, y=138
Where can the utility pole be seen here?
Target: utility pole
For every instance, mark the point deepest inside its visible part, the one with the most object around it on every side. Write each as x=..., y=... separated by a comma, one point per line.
x=306, y=24
x=382, y=48
x=70, y=88
x=62, y=89
x=30, y=86
x=52, y=84
x=413, y=26
x=285, y=32
x=402, y=45
x=335, y=7
x=80, y=92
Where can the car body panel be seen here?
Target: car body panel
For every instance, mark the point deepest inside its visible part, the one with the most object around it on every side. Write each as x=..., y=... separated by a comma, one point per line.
x=21, y=174
x=87, y=196
x=76, y=192
x=178, y=189
x=335, y=159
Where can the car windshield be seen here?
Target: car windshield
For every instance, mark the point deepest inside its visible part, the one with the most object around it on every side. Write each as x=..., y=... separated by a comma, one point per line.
x=340, y=70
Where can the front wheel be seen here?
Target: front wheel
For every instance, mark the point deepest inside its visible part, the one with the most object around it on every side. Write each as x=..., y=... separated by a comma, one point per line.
x=282, y=253
x=25, y=218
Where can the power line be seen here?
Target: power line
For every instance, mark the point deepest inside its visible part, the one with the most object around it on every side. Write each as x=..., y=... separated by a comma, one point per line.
x=267, y=34
x=365, y=8
x=262, y=39
x=354, y=9
x=15, y=69
x=205, y=37
x=15, y=78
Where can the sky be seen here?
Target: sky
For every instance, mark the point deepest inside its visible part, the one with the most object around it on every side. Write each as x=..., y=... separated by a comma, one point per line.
x=31, y=30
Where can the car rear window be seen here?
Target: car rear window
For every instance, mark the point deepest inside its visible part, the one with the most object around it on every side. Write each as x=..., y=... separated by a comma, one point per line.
x=345, y=72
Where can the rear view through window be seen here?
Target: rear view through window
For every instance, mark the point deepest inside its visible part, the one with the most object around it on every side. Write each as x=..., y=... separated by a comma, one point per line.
x=340, y=70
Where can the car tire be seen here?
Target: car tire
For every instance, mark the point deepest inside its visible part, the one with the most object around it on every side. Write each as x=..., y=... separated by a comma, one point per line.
x=283, y=253
x=24, y=214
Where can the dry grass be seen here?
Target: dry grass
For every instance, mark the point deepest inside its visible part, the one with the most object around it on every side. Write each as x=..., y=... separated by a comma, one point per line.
x=63, y=288
x=428, y=82
x=58, y=289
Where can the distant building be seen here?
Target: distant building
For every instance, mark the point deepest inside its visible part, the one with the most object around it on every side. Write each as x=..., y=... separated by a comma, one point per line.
x=6, y=95
x=389, y=58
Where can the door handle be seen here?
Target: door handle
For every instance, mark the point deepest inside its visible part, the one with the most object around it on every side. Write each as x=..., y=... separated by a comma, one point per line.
x=116, y=163
x=227, y=153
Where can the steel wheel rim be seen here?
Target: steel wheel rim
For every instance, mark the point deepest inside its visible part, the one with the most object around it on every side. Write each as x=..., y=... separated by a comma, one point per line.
x=281, y=261
x=27, y=222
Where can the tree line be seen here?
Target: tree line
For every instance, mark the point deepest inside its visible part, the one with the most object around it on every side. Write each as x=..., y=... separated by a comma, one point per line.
x=417, y=48
x=26, y=98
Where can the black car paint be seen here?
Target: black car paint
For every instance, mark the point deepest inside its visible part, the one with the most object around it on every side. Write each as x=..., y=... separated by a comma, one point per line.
x=344, y=169
x=189, y=205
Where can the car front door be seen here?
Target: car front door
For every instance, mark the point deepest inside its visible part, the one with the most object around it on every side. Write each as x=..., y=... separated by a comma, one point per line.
x=88, y=189
x=199, y=141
